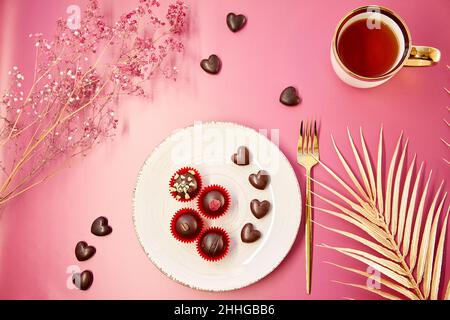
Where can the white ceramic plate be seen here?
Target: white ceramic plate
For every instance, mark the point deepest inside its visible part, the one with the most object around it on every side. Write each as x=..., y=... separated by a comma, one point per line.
x=208, y=148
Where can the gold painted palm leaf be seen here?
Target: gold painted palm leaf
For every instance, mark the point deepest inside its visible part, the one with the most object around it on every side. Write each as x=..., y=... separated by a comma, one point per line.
x=404, y=236
x=448, y=125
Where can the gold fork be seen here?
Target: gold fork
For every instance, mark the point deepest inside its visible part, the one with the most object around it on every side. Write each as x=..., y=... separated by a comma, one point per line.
x=308, y=157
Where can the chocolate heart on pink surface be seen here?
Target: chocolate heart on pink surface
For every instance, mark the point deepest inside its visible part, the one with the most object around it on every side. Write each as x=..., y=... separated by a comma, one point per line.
x=289, y=97
x=100, y=227
x=259, y=208
x=83, y=280
x=212, y=65
x=83, y=251
x=236, y=22
x=259, y=180
x=249, y=234
x=241, y=157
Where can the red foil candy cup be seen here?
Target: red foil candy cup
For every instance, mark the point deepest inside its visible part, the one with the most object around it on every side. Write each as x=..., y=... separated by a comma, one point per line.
x=176, y=234
x=221, y=211
x=226, y=242
x=185, y=170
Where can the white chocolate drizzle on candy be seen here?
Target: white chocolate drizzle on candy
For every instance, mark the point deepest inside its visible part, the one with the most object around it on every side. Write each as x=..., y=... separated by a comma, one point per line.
x=184, y=183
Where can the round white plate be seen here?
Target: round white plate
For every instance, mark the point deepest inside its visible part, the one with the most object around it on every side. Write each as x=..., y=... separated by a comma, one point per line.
x=208, y=148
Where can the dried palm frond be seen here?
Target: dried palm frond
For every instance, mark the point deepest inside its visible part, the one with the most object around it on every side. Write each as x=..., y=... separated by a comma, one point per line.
x=402, y=234
x=442, y=139
x=448, y=125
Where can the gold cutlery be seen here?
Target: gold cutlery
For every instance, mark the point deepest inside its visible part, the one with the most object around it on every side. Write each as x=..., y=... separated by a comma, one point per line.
x=308, y=157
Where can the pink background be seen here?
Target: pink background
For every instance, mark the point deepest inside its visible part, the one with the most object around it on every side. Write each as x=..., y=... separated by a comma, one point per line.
x=284, y=43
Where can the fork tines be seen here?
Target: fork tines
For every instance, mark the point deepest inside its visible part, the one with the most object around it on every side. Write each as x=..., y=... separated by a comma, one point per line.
x=307, y=140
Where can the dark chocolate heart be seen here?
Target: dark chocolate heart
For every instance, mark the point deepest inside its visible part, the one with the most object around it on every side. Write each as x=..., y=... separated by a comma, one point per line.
x=249, y=234
x=236, y=22
x=289, y=97
x=259, y=180
x=100, y=227
x=211, y=65
x=83, y=251
x=259, y=208
x=83, y=280
x=241, y=157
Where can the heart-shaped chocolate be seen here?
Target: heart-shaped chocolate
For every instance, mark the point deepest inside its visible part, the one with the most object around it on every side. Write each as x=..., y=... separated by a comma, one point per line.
x=249, y=234
x=211, y=65
x=241, y=157
x=100, y=227
x=83, y=251
x=83, y=280
x=289, y=97
x=259, y=208
x=259, y=180
x=236, y=22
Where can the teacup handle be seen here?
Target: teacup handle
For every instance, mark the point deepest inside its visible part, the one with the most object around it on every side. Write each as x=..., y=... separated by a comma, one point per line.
x=422, y=56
